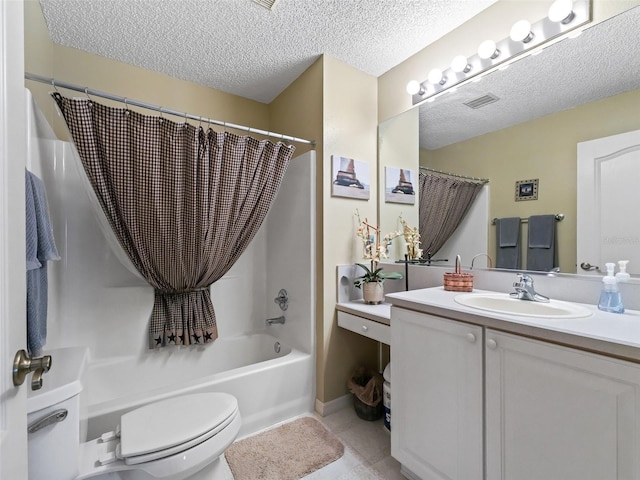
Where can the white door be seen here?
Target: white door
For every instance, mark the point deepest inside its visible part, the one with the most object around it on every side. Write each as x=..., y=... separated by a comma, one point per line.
x=13, y=417
x=558, y=413
x=436, y=412
x=608, y=228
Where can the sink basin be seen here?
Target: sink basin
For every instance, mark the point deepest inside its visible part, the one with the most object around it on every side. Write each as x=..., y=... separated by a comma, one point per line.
x=503, y=303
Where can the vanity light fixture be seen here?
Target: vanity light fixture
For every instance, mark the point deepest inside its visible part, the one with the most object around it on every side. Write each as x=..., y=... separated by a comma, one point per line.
x=564, y=16
x=415, y=88
x=562, y=11
x=436, y=77
x=521, y=32
x=460, y=64
x=488, y=50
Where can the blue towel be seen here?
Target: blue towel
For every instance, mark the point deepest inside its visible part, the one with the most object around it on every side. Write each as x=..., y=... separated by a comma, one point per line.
x=542, y=254
x=40, y=248
x=508, y=242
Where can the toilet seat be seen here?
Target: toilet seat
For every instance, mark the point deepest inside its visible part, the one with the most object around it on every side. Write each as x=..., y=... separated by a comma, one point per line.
x=173, y=425
x=211, y=423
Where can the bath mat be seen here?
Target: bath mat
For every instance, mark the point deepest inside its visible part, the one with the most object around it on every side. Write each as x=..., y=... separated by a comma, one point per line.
x=288, y=452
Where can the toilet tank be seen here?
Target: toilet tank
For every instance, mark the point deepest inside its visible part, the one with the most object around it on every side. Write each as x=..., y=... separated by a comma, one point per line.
x=53, y=417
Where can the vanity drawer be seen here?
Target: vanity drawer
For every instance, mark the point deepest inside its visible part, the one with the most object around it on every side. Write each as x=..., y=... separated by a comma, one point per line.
x=363, y=326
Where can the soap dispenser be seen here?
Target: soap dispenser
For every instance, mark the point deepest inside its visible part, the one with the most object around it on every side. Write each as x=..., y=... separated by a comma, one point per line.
x=610, y=298
x=622, y=275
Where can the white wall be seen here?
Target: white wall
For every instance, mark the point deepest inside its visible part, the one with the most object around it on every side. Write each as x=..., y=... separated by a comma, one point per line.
x=290, y=253
x=94, y=300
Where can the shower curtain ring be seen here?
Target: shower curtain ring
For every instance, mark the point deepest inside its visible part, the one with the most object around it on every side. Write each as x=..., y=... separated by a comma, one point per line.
x=161, y=117
x=126, y=106
x=86, y=92
x=53, y=84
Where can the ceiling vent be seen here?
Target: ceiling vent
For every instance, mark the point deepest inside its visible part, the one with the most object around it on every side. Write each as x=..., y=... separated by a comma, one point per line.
x=268, y=4
x=482, y=101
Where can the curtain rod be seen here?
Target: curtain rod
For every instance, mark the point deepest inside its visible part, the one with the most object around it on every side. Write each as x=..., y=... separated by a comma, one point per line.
x=483, y=180
x=559, y=218
x=127, y=101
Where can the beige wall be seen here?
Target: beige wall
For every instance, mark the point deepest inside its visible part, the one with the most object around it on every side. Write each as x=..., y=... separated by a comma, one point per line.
x=350, y=130
x=544, y=148
x=397, y=147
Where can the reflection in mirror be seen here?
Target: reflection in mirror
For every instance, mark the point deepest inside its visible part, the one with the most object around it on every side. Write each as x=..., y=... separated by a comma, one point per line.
x=453, y=214
x=397, y=149
x=576, y=90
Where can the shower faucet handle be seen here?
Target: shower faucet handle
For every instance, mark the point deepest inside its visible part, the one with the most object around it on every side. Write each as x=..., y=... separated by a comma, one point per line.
x=282, y=299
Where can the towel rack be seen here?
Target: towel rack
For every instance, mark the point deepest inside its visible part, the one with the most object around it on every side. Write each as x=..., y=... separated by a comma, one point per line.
x=559, y=218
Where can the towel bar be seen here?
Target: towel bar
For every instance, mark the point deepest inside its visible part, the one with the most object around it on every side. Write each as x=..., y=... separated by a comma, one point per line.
x=559, y=218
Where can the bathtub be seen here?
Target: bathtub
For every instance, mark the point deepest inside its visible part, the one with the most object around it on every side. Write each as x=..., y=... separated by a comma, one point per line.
x=271, y=386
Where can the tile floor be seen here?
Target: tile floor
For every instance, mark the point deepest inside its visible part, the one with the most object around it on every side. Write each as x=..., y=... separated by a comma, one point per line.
x=367, y=452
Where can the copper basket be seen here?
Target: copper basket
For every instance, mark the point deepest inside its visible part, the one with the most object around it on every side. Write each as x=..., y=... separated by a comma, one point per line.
x=458, y=281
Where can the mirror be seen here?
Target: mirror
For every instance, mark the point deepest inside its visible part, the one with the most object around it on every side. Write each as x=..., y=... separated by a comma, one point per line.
x=575, y=90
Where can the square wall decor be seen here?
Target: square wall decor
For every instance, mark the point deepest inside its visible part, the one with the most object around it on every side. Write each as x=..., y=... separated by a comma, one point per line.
x=526, y=190
x=351, y=178
x=398, y=186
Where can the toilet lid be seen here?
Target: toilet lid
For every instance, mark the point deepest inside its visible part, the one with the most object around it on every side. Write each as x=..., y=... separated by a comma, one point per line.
x=173, y=422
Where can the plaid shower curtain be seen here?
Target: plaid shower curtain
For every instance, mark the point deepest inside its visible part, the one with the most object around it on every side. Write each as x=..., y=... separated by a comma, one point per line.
x=183, y=202
x=443, y=203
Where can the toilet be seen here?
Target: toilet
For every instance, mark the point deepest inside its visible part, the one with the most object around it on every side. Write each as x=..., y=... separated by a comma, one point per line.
x=170, y=439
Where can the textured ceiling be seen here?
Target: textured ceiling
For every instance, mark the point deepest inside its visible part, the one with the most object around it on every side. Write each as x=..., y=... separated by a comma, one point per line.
x=239, y=47
x=602, y=62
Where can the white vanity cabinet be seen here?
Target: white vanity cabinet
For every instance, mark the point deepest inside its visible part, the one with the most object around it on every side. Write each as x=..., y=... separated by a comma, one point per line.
x=471, y=402
x=436, y=367
x=554, y=412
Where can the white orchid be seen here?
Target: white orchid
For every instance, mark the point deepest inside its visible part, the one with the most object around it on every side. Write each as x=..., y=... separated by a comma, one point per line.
x=412, y=239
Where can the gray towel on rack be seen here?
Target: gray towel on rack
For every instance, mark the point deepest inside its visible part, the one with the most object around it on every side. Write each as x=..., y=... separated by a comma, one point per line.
x=40, y=248
x=508, y=242
x=542, y=253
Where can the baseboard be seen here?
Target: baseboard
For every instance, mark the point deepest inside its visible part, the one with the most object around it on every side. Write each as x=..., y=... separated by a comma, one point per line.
x=408, y=473
x=324, y=409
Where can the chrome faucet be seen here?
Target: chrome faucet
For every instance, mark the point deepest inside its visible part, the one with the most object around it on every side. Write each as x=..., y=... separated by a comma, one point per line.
x=524, y=290
x=481, y=255
x=273, y=321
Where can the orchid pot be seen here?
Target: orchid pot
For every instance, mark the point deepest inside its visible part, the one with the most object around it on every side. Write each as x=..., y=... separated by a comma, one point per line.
x=372, y=282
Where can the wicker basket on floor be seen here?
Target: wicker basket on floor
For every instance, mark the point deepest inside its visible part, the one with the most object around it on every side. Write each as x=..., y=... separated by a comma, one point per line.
x=458, y=281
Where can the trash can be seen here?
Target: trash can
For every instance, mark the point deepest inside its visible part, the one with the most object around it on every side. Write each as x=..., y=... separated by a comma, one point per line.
x=386, y=396
x=366, y=386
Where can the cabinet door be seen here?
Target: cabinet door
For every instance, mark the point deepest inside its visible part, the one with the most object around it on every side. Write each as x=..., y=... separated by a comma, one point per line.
x=436, y=401
x=559, y=413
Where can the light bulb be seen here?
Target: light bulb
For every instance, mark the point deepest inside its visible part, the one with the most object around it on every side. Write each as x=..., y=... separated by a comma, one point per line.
x=460, y=64
x=413, y=87
x=561, y=11
x=435, y=76
x=521, y=31
x=488, y=49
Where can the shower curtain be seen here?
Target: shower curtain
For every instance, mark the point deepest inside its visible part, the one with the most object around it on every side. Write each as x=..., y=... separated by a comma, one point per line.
x=443, y=203
x=183, y=202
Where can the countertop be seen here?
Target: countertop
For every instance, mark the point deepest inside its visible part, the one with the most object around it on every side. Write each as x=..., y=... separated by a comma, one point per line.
x=380, y=313
x=611, y=334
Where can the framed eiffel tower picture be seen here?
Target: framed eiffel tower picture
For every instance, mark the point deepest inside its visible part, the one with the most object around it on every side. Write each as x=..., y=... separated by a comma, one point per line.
x=399, y=186
x=351, y=178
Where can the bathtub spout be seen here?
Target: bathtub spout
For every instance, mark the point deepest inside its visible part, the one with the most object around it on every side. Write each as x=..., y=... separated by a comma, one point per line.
x=272, y=321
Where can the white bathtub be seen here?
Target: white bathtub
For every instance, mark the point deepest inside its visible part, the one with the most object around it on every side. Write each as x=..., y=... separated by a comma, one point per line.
x=270, y=387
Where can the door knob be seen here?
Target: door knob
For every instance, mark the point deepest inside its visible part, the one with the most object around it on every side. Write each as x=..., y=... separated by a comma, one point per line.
x=588, y=266
x=23, y=365
x=492, y=344
x=471, y=338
